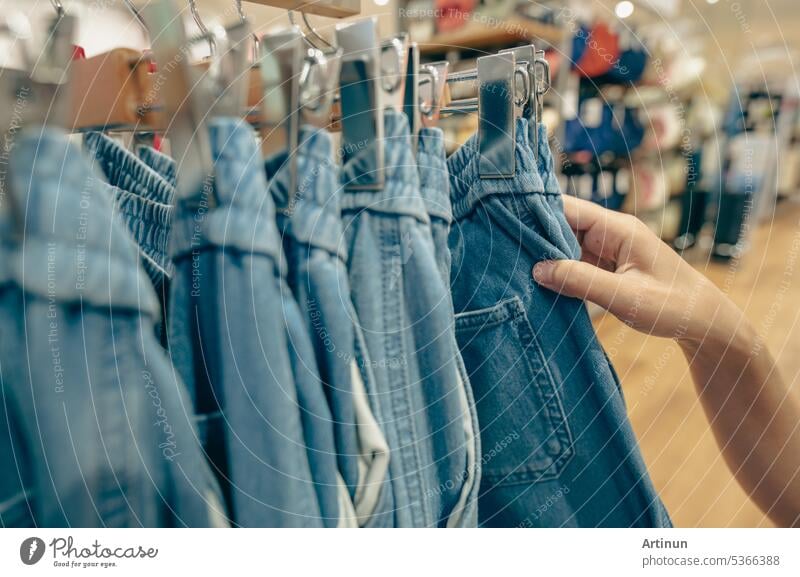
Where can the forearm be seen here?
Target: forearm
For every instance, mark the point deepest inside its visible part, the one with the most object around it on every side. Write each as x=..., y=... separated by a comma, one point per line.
x=754, y=415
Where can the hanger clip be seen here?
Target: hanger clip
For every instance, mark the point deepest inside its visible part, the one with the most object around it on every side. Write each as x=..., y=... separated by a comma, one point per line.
x=187, y=99
x=498, y=106
x=432, y=90
x=38, y=93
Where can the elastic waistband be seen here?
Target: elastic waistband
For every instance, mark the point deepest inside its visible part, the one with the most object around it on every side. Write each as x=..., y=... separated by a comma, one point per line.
x=149, y=223
x=123, y=169
x=160, y=162
x=468, y=189
x=400, y=194
x=434, y=184
x=242, y=214
x=72, y=250
x=314, y=215
x=545, y=161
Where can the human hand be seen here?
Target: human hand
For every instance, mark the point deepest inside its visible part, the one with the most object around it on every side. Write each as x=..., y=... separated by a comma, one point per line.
x=629, y=271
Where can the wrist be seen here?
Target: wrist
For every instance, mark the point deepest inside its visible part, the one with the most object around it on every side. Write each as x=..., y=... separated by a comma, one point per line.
x=724, y=330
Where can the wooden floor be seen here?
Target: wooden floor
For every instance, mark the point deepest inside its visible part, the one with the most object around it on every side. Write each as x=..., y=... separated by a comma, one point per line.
x=680, y=451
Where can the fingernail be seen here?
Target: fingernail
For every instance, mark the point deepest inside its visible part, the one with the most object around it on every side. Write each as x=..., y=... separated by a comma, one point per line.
x=543, y=271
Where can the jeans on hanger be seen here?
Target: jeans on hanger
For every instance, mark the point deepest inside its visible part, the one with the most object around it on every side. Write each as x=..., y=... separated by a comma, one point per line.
x=313, y=244
x=149, y=223
x=164, y=165
x=229, y=340
x=402, y=304
x=124, y=170
x=96, y=430
x=435, y=192
x=142, y=197
x=558, y=449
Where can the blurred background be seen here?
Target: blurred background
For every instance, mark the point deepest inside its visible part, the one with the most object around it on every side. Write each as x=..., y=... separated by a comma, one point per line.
x=683, y=112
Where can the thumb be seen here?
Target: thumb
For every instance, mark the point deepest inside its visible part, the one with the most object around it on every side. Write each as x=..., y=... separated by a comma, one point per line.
x=581, y=280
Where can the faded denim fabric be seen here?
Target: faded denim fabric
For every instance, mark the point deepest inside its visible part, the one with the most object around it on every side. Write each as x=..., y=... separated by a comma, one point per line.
x=97, y=431
x=229, y=339
x=143, y=198
x=124, y=170
x=149, y=223
x=435, y=191
x=402, y=304
x=313, y=243
x=164, y=165
x=558, y=449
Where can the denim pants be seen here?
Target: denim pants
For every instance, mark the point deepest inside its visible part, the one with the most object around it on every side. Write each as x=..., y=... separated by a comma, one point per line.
x=435, y=191
x=164, y=165
x=143, y=199
x=124, y=170
x=313, y=244
x=558, y=449
x=95, y=427
x=402, y=304
x=229, y=316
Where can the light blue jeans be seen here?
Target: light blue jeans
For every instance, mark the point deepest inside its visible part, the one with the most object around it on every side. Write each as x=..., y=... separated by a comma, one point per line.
x=97, y=431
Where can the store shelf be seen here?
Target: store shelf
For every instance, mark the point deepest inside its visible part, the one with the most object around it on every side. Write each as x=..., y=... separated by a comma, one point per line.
x=475, y=35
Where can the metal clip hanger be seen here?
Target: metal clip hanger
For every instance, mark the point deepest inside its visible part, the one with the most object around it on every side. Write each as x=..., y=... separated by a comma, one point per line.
x=299, y=85
x=372, y=79
x=42, y=83
x=186, y=100
x=229, y=73
x=424, y=92
x=411, y=103
x=527, y=55
x=256, y=41
x=504, y=90
x=542, y=82
x=432, y=87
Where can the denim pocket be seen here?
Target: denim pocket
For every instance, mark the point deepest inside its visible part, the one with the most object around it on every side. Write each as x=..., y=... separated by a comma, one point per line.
x=524, y=431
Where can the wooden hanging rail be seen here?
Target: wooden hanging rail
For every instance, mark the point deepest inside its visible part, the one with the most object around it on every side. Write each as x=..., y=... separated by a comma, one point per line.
x=330, y=8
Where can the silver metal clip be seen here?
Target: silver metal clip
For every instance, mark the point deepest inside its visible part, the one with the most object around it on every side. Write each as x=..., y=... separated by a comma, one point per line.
x=228, y=73
x=504, y=92
x=372, y=79
x=542, y=82
x=497, y=110
x=411, y=101
x=528, y=56
x=37, y=94
x=187, y=99
x=432, y=85
x=299, y=85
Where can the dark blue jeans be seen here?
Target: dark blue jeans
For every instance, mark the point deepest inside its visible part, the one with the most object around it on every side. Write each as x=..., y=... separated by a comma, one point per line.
x=403, y=306
x=96, y=429
x=558, y=449
x=315, y=252
x=229, y=339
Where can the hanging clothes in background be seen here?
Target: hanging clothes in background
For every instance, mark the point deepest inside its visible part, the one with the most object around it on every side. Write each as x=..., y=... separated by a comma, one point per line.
x=229, y=340
x=402, y=304
x=435, y=191
x=312, y=235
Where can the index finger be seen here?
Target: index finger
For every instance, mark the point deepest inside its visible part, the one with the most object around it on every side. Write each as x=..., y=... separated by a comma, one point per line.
x=604, y=233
